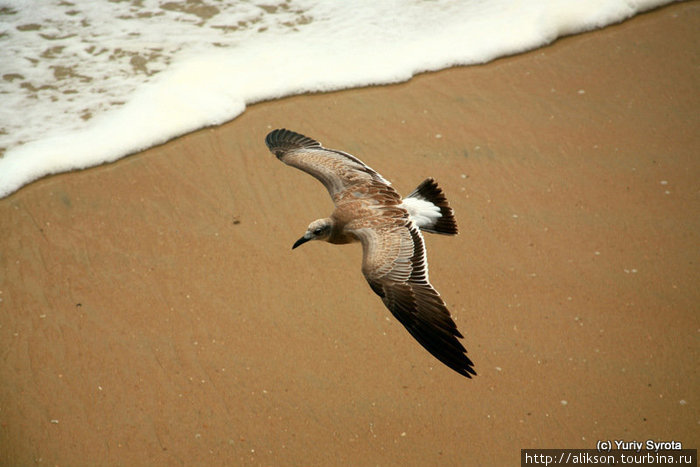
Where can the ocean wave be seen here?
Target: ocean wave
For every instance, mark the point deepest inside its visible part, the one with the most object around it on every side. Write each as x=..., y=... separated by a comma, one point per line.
x=85, y=83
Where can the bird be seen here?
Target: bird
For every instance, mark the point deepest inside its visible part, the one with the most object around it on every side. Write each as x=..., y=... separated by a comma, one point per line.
x=370, y=211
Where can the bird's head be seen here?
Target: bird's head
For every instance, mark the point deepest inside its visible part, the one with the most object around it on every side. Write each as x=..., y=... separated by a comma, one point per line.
x=318, y=230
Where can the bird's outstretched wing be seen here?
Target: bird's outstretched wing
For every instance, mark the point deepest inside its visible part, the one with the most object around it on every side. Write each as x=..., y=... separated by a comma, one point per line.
x=396, y=267
x=337, y=170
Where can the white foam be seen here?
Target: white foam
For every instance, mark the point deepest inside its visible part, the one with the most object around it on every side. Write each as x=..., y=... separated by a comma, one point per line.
x=87, y=82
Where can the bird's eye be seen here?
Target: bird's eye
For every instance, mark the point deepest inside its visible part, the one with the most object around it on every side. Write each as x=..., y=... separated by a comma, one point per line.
x=318, y=231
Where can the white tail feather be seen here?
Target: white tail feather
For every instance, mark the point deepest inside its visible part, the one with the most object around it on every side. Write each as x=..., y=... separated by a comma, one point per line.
x=422, y=212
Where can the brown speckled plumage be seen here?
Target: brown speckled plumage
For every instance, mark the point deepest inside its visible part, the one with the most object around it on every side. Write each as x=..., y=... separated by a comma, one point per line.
x=369, y=210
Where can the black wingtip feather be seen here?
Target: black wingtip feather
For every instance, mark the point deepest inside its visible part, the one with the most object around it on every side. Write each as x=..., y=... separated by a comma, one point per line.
x=436, y=331
x=282, y=140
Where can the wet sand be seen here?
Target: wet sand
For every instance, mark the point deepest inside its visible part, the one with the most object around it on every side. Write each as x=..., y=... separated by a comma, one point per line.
x=153, y=313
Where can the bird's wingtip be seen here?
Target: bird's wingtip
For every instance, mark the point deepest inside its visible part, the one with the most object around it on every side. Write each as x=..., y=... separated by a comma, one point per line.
x=282, y=140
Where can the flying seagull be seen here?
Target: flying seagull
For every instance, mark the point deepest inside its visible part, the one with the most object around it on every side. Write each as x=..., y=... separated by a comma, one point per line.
x=369, y=210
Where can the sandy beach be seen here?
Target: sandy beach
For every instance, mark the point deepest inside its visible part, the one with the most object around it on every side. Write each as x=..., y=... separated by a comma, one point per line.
x=153, y=313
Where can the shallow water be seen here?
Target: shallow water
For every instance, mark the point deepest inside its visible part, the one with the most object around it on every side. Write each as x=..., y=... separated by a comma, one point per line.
x=85, y=82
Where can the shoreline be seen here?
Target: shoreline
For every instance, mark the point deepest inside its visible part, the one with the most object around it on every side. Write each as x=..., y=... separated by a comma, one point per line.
x=154, y=314
x=22, y=160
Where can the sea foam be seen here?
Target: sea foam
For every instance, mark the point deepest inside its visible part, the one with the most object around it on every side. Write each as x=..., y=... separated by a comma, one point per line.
x=86, y=82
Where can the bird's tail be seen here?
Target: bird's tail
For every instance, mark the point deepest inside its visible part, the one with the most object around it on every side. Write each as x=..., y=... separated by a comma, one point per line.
x=429, y=209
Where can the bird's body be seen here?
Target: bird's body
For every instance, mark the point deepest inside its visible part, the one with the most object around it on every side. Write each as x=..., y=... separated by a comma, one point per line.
x=368, y=210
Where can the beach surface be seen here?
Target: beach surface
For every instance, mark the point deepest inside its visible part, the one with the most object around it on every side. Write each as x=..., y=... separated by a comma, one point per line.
x=153, y=312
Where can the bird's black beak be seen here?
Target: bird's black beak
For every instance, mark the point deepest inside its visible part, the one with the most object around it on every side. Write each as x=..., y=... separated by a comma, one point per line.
x=301, y=241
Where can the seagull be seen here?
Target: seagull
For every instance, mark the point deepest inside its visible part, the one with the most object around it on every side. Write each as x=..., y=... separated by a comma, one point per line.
x=370, y=211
